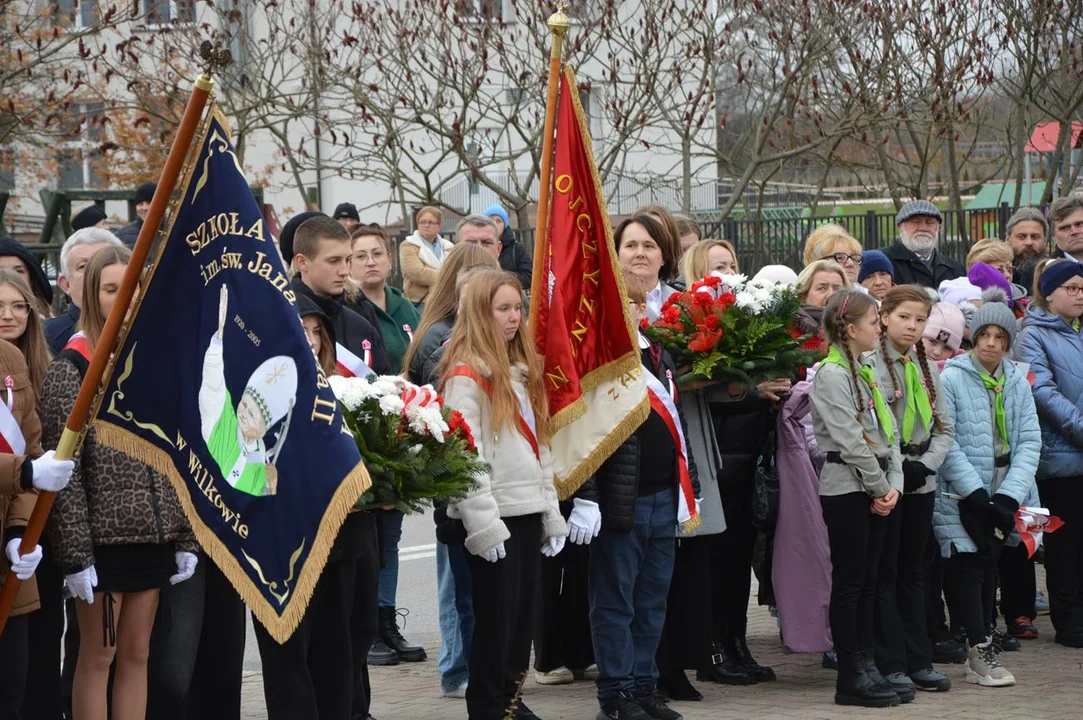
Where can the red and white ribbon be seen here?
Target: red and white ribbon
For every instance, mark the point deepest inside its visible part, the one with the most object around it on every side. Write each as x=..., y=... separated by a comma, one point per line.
x=663, y=402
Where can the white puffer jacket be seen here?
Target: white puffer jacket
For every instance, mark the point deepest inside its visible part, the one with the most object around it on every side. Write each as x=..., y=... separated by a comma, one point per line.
x=517, y=483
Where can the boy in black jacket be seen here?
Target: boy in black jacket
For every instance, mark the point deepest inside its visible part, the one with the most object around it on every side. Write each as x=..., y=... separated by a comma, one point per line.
x=635, y=497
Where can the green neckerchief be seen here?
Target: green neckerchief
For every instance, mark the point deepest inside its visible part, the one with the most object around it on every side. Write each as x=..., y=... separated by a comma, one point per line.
x=883, y=413
x=917, y=400
x=997, y=386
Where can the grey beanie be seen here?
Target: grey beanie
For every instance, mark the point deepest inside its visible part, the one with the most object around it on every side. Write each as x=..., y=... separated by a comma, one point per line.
x=994, y=313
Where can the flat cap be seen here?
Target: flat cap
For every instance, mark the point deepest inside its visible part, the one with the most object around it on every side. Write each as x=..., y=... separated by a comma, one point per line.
x=915, y=208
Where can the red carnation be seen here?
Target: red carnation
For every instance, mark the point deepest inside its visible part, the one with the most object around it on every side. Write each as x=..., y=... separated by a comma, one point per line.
x=711, y=322
x=644, y=324
x=457, y=426
x=704, y=341
x=726, y=299
x=671, y=314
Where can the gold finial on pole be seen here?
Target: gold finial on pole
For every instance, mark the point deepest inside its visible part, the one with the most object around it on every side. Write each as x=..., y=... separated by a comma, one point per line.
x=215, y=59
x=558, y=21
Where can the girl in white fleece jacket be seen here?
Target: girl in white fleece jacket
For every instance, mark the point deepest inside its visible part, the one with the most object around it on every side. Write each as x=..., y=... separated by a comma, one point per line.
x=493, y=376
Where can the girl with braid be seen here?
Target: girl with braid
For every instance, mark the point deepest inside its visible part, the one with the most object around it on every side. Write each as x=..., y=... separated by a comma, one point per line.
x=925, y=433
x=861, y=482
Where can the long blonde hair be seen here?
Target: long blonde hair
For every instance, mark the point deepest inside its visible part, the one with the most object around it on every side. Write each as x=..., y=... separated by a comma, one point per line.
x=32, y=341
x=443, y=300
x=476, y=342
x=694, y=266
x=92, y=319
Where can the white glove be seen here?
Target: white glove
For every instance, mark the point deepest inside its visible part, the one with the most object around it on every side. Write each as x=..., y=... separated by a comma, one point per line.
x=81, y=585
x=50, y=474
x=585, y=522
x=23, y=565
x=699, y=502
x=494, y=553
x=552, y=546
x=186, y=566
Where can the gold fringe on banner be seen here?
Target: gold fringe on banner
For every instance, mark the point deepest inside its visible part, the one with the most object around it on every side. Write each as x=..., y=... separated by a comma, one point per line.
x=353, y=486
x=568, y=486
x=281, y=627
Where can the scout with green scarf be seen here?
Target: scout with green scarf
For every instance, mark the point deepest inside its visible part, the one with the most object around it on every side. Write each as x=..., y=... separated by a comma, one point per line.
x=869, y=454
x=911, y=386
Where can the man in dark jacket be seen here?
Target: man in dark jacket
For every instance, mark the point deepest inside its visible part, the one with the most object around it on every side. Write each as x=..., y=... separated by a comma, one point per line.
x=514, y=257
x=914, y=255
x=322, y=253
x=1066, y=220
x=143, y=195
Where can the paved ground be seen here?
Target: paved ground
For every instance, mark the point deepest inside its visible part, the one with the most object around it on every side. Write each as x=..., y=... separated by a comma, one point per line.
x=1049, y=676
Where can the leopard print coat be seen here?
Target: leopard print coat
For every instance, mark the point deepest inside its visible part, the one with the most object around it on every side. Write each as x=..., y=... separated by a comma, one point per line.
x=112, y=499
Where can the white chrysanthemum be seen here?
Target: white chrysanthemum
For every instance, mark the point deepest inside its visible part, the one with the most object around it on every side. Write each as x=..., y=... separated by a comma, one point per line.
x=396, y=380
x=427, y=420
x=383, y=388
x=734, y=282
x=391, y=405
x=351, y=392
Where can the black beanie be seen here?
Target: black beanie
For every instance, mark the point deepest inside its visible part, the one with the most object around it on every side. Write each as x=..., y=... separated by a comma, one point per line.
x=285, y=240
x=10, y=247
x=87, y=217
x=145, y=192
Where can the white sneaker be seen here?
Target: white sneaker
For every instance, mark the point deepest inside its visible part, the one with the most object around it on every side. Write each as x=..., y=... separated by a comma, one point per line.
x=560, y=676
x=456, y=694
x=983, y=667
x=589, y=673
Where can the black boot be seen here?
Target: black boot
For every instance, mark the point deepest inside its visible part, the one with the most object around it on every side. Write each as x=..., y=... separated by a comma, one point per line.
x=381, y=654
x=744, y=656
x=389, y=633
x=725, y=668
x=855, y=687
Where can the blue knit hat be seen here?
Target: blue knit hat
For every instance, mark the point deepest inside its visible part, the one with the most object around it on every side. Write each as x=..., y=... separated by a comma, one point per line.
x=874, y=261
x=496, y=210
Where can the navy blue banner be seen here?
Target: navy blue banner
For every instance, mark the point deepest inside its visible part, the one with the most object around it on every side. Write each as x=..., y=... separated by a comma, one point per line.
x=215, y=385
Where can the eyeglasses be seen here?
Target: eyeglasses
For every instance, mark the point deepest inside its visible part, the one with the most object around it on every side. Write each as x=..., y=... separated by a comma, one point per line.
x=1071, y=290
x=18, y=309
x=841, y=258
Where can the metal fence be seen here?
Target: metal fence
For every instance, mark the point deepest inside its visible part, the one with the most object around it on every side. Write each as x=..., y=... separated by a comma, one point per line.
x=767, y=241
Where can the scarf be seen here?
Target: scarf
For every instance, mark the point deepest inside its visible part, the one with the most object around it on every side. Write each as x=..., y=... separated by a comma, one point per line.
x=917, y=400
x=997, y=386
x=883, y=413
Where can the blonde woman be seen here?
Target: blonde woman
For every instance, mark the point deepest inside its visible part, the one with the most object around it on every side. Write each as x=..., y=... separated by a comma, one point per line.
x=422, y=254
x=833, y=242
x=999, y=255
x=706, y=257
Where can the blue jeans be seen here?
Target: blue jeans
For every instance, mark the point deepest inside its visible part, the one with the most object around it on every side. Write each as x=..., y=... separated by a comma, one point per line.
x=629, y=582
x=456, y=614
x=391, y=522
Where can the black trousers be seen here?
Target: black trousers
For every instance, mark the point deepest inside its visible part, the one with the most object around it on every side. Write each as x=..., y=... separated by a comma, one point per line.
x=936, y=619
x=1018, y=585
x=364, y=617
x=13, y=663
x=44, y=697
x=215, y=690
x=731, y=555
x=562, y=634
x=311, y=674
x=174, y=645
x=902, y=643
x=684, y=644
x=974, y=592
x=1063, y=552
x=504, y=594
x=856, y=537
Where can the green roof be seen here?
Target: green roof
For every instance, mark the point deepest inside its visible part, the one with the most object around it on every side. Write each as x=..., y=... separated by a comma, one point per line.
x=992, y=194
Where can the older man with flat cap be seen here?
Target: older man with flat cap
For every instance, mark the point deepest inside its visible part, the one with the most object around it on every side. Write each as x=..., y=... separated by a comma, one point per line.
x=914, y=255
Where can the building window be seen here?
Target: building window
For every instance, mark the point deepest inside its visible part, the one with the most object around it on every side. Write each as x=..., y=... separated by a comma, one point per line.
x=164, y=12
x=78, y=160
x=478, y=10
x=88, y=13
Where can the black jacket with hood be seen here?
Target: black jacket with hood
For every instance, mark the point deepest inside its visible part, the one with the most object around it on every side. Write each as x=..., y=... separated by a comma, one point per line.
x=515, y=258
x=350, y=328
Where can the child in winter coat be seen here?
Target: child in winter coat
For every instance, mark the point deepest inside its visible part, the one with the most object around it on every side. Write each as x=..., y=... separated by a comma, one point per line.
x=988, y=472
x=903, y=650
x=861, y=482
x=943, y=335
x=1051, y=343
x=493, y=376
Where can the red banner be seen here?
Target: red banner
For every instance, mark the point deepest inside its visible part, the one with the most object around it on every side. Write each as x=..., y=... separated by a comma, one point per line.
x=582, y=325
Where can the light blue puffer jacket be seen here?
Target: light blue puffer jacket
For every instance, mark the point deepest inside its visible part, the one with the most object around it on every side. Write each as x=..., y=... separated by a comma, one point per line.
x=969, y=465
x=1055, y=353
